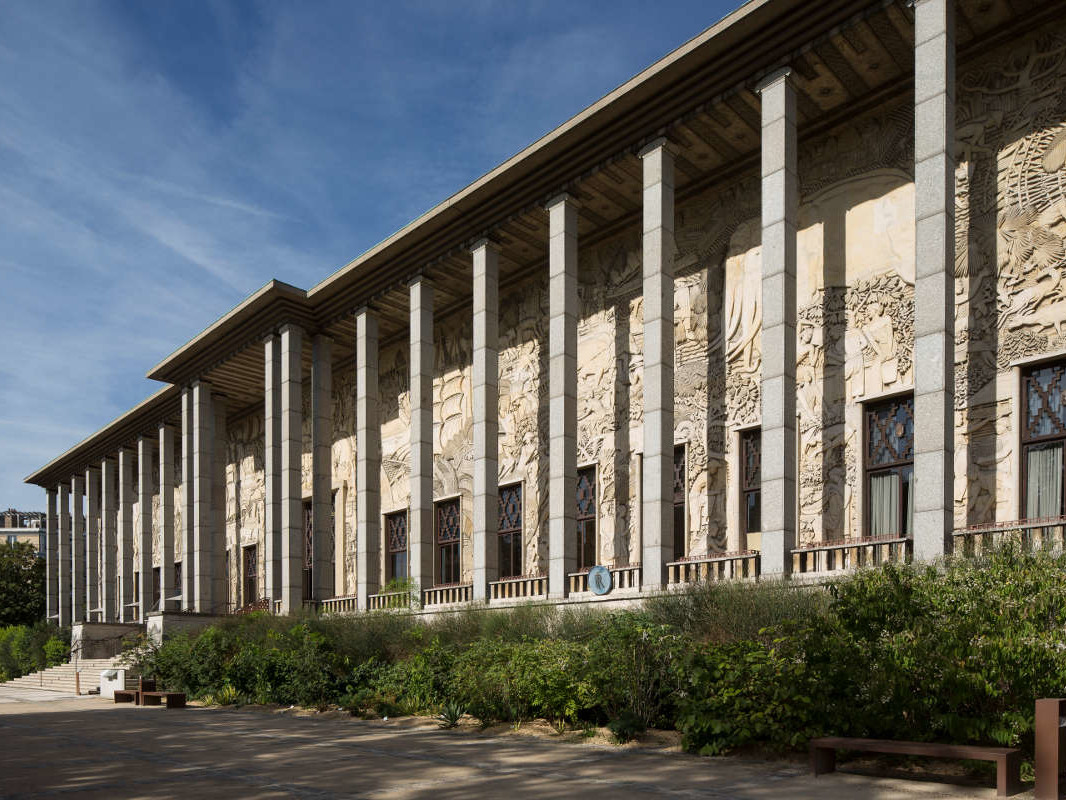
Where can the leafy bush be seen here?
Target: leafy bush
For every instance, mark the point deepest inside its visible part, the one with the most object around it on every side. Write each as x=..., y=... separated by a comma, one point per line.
x=28, y=648
x=746, y=693
x=626, y=727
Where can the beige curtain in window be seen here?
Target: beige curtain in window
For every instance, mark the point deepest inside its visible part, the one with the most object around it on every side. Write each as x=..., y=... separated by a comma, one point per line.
x=1043, y=484
x=884, y=504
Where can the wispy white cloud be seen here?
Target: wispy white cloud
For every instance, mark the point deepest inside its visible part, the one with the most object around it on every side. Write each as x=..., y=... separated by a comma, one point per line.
x=159, y=162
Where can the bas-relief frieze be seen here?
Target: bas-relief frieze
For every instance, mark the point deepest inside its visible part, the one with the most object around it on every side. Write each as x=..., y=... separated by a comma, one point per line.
x=1010, y=228
x=855, y=327
x=245, y=498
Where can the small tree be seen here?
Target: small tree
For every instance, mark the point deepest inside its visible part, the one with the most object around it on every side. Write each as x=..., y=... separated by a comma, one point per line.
x=21, y=584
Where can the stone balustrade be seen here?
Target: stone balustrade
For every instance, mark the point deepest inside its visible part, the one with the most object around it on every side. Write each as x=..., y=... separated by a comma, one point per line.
x=448, y=595
x=385, y=600
x=339, y=605
x=622, y=577
x=523, y=586
x=1044, y=532
x=714, y=567
x=849, y=554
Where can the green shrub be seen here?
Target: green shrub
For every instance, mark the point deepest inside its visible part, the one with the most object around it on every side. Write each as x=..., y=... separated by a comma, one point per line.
x=746, y=693
x=627, y=727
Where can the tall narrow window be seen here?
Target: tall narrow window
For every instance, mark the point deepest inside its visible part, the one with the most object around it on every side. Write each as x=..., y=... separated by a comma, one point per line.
x=178, y=590
x=1043, y=436
x=586, y=518
x=156, y=583
x=396, y=546
x=680, y=519
x=510, y=531
x=890, y=467
x=751, y=480
x=447, y=534
x=137, y=595
x=309, y=548
x=251, y=574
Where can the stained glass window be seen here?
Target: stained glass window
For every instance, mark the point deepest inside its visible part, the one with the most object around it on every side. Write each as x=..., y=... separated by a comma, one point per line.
x=509, y=528
x=396, y=538
x=586, y=518
x=448, y=530
x=751, y=480
x=1043, y=438
x=680, y=521
x=890, y=467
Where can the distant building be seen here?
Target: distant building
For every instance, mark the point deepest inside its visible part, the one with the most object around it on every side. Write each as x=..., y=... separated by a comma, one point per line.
x=23, y=526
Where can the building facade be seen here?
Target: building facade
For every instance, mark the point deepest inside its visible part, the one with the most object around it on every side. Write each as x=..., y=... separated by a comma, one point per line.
x=788, y=301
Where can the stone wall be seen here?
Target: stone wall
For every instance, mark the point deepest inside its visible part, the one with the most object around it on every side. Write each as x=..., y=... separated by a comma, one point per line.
x=855, y=301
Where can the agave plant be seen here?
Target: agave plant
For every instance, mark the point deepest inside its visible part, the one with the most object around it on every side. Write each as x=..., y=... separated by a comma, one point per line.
x=450, y=714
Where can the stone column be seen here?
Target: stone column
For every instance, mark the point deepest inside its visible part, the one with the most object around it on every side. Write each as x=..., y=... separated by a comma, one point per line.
x=780, y=201
x=203, y=427
x=292, y=544
x=145, y=490
x=657, y=258
x=51, y=556
x=125, y=535
x=108, y=520
x=272, y=466
x=322, y=466
x=92, y=542
x=188, y=500
x=63, y=523
x=368, y=458
x=167, y=590
x=562, y=393
x=486, y=396
x=420, y=517
x=219, y=462
x=77, y=556
x=934, y=284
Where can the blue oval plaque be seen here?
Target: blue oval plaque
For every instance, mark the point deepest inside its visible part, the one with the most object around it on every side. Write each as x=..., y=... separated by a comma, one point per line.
x=599, y=580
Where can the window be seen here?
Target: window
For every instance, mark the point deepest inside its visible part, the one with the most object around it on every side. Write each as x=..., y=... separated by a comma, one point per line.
x=178, y=589
x=251, y=574
x=156, y=585
x=1043, y=437
x=509, y=529
x=890, y=467
x=396, y=546
x=447, y=528
x=751, y=480
x=680, y=519
x=309, y=548
x=586, y=518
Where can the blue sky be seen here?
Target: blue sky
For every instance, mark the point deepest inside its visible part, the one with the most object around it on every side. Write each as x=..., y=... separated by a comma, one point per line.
x=159, y=161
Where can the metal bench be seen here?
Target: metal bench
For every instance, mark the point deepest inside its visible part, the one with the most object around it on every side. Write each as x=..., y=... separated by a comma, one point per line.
x=172, y=699
x=1008, y=760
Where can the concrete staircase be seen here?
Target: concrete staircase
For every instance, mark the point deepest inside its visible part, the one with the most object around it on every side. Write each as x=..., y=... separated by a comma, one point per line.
x=61, y=678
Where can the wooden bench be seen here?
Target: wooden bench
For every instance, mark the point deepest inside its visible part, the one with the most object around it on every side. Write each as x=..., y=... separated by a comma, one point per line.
x=125, y=695
x=135, y=695
x=172, y=699
x=1008, y=760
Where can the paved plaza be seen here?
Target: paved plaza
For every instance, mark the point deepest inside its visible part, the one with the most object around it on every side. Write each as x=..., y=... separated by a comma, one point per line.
x=57, y=745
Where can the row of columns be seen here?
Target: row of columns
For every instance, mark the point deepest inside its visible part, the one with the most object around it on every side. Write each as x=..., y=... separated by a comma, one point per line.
x=72, y=578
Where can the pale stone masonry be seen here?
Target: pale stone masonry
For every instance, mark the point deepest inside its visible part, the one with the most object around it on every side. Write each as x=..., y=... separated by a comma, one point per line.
x=657, y=237
x=77, y=552
x=64, y=610
x=188, y=500
x=420, y=518
x=562, y=392
x=786, y=302
x=934, y=285
x=486, y=393
x=272, y=466
x=780, y=202
x=109, y=544
x=167, y=590
x=51, y=556
x=126, y=599
x=92, y=542
x=368, y=458
x=322, y=467
x=143, y=562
